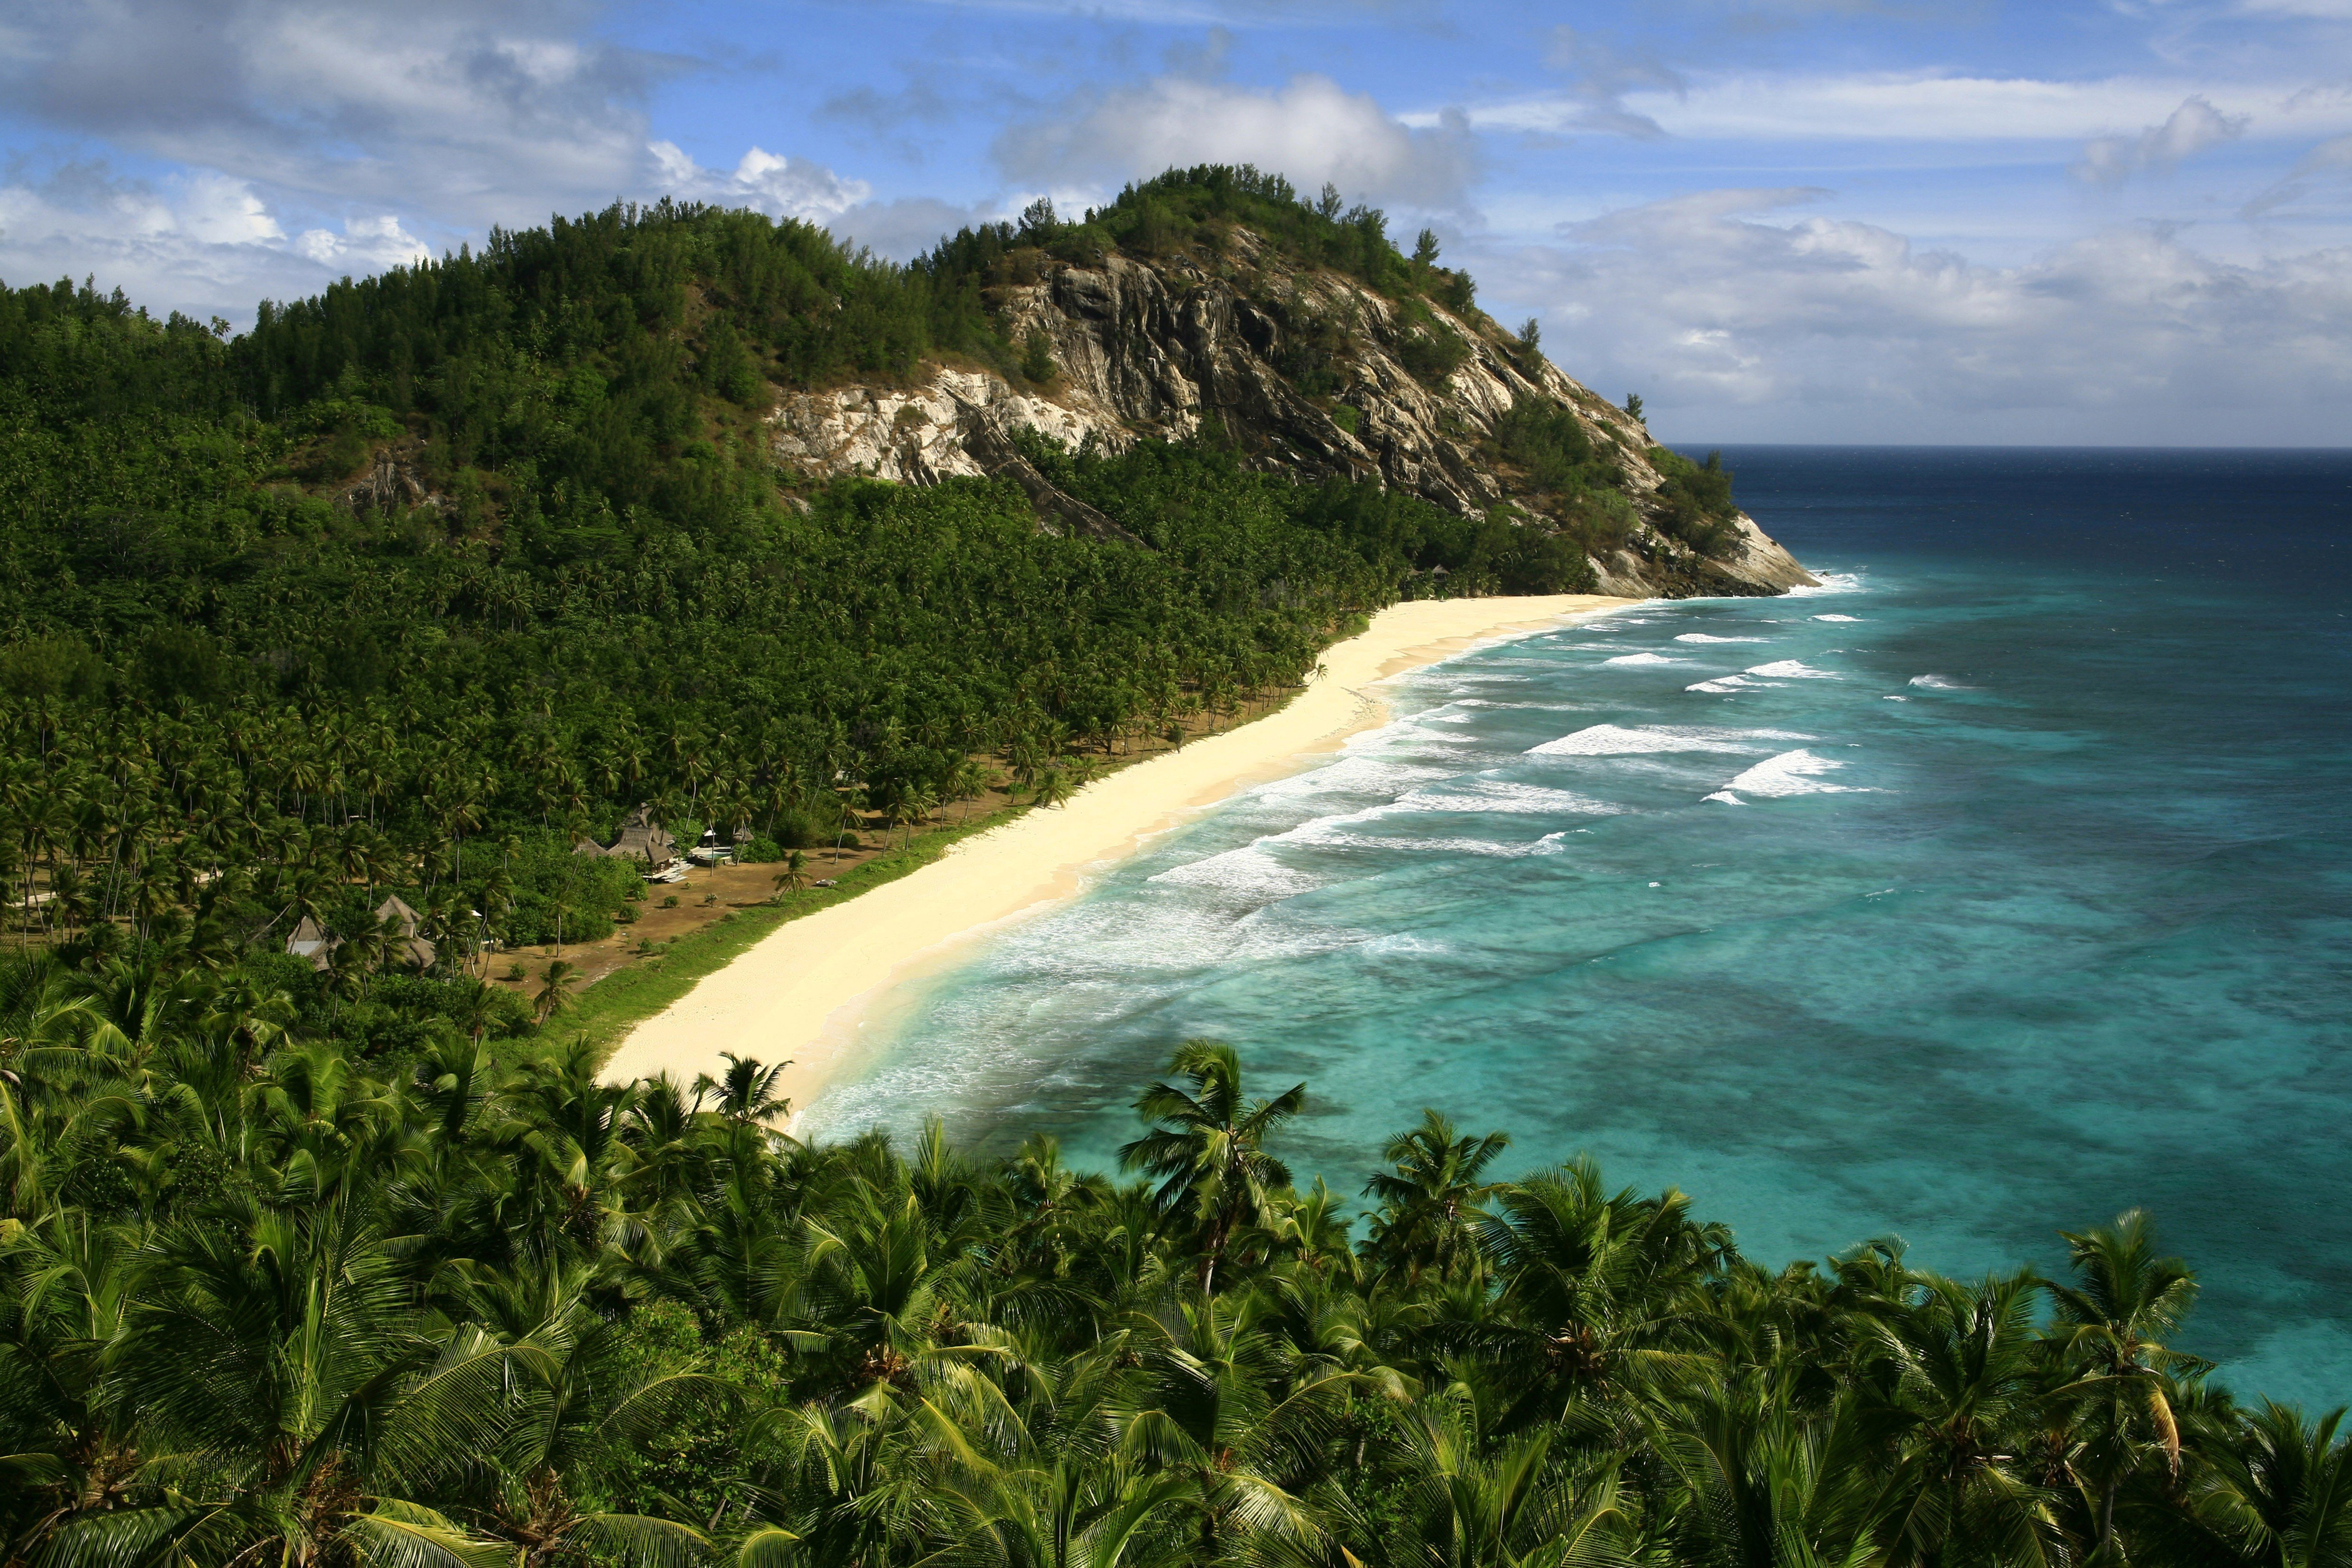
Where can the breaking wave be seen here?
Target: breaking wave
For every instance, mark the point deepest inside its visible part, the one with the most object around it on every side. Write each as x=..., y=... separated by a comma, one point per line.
x=1792, y=772
x=1615, y=741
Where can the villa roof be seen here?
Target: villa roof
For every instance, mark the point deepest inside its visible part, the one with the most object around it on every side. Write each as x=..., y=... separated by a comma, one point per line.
x=641, y=838
x=309, y=940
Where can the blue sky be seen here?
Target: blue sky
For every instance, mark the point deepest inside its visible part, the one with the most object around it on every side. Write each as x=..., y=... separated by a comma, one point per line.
x=1808, y=220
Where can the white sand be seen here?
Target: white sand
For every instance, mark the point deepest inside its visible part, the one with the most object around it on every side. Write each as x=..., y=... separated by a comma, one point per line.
x=797, y=994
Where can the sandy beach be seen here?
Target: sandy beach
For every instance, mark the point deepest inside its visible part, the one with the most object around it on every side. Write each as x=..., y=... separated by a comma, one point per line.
x=797, y=996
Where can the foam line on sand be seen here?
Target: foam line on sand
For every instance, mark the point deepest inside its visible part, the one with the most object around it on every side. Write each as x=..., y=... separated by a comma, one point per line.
x=797, y=994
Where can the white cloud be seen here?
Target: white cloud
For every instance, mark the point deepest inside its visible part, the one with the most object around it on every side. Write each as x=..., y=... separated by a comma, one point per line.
x=366, y=244
x=2331, y=161
x=217, y=210
x=778, y=186
x=1600, y=75
x=2188, y=130
x=204, y=244
x=1311, y=130
x=493, y=109
x=1737, y=326
x=1918, y=106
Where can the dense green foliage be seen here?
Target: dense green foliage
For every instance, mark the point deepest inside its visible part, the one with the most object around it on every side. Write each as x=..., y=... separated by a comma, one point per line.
x=457, y=1303
x=1570, y=478
x=1198, y=209
x=1697, y=498
x=490, y=548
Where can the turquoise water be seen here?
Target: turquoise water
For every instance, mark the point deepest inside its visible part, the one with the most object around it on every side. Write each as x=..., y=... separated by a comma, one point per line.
x=2001, y=885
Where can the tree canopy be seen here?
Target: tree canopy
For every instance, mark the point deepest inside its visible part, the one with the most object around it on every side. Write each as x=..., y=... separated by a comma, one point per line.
x=270, y=1288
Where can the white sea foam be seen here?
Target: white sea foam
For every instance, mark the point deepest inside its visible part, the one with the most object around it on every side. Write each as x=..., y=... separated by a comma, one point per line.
x=1702, y=636
x=1938, y=683
x=1790, y=670
x=1837, y=618
x=1248, y=872
x=1790, y=773
x=1638, y=659
x=1615, y=741
x=1832, y=582
x=1358, y=772
x=1505, y=797
x=1486, y=848
x=1722, y=683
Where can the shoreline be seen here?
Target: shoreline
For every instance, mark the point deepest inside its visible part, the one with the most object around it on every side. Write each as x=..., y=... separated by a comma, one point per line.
x=800, y=993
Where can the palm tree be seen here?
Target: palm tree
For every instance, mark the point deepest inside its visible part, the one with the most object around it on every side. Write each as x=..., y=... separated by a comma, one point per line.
x=968, y=784
x=795, y=876
x=1053, y=788
x=1764, y=1484
x=1208, y=1147
x=746, y=1090
x=582, y=1399
x=272, y=1366
x=2279, y=1492
x=1956, y=1378
x=2112, y=1322
x=1429, y=1202
x=1599, y=1291
x=1235, y=1411
x=554, y=993
x=1480, y=1502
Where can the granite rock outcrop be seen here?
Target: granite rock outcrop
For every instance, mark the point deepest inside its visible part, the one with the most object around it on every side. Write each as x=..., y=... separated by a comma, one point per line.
x=1140, y=349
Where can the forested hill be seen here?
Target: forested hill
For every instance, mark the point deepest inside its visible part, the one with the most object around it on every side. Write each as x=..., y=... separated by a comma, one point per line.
x=509, y=542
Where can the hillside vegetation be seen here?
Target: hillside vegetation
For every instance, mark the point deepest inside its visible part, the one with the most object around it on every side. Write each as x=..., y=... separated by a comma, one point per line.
x=493, y=545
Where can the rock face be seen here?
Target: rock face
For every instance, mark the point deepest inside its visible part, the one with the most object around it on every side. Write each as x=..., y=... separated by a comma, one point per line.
x=1159, y=349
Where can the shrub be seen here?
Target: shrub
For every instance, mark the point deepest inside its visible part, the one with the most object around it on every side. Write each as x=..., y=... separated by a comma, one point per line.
x=1037, y=357
x=806, y=825
x=1695, y=500
x=1552, y=444
x=1431, y=352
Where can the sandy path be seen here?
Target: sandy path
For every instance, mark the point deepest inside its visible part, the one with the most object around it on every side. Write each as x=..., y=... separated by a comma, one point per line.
x=796, y=995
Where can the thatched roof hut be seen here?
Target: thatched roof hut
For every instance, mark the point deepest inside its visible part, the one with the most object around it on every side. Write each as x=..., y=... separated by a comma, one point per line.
x=311, y=941
x=642, y=840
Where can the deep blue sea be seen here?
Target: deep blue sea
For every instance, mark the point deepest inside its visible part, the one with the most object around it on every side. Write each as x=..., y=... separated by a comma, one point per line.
x=2001, y=885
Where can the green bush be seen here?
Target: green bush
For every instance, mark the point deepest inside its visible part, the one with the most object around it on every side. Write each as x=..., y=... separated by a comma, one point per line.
x=1696, y=500
x=1431, y=353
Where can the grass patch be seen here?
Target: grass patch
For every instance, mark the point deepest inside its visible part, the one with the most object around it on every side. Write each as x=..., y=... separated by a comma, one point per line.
x=627, y=997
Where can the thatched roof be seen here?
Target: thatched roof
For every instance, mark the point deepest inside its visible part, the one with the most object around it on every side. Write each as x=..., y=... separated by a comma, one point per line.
x=642, y=840
x=310, y=940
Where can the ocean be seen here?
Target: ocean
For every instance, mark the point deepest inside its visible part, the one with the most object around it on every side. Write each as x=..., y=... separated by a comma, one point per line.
x=2000, y=885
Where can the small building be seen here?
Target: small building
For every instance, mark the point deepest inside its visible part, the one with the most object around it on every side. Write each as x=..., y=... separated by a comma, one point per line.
x=311, y=941
x=642, y=840
x=416, y=950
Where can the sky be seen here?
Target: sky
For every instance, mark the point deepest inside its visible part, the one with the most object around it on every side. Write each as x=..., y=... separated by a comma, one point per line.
x=2107, y=222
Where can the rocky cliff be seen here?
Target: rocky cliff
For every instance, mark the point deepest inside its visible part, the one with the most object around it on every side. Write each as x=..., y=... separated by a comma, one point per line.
x=1300, y=370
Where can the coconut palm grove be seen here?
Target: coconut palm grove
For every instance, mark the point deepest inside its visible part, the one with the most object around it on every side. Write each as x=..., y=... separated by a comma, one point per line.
x=346, y=1256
